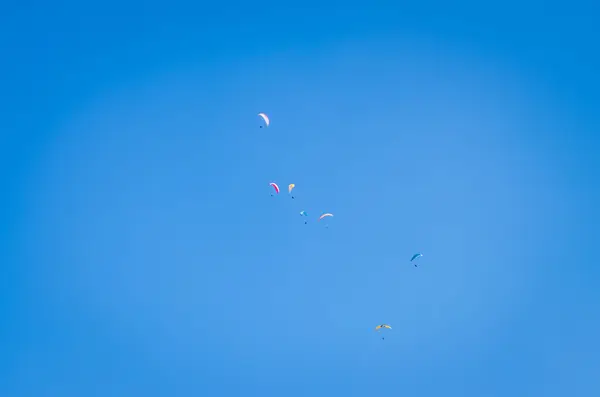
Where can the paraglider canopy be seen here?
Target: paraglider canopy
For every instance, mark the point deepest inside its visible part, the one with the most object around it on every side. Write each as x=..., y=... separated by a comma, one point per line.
x=325, y=215
x=415, y=256
x=265, y=118
x=379, y=327
x=274, y=185
x=382, y=326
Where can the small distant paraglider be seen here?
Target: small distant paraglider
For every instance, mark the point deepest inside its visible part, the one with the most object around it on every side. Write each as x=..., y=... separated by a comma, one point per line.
x=325, y=216
x=304, y=214
x=290, y=188
x=274, y=185
x=265, y=119
x=382, y=326
x=415, y=256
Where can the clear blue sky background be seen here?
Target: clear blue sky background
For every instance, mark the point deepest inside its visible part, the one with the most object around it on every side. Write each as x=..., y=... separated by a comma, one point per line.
x=141, y=251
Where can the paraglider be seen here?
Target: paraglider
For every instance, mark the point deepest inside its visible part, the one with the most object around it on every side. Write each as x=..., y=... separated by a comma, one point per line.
x=415, y=256
x=382, y=326
x=265, y=118
x=274, y=185
x=324, y=216
x=303, y=213
x=290, y=188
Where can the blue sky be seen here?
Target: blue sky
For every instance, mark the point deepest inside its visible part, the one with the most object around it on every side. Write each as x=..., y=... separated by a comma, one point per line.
x=142, y=253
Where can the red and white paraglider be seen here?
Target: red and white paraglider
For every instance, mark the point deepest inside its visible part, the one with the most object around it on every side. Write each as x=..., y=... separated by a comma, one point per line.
x=274, y=186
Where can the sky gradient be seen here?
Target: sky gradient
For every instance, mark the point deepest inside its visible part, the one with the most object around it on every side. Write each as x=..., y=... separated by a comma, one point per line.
x=142, y=252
